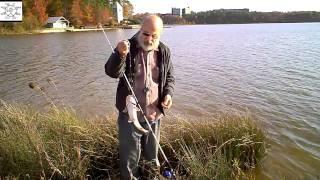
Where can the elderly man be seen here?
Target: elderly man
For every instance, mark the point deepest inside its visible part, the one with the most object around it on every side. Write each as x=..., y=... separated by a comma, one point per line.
x=146, y=62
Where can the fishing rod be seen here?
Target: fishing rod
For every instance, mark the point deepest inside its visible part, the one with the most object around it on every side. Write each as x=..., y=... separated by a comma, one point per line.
x=168, y=172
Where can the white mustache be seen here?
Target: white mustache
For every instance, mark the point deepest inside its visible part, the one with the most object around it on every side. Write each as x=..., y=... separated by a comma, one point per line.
x=147, y=46
x=148, y=43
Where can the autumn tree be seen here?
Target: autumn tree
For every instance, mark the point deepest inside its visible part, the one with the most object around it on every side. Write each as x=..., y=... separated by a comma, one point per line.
x=102, y=12
x=39, y=10
x=76, y=13
x=88, y=15
x=55, y=8
x=127, y=9
x=105, y=16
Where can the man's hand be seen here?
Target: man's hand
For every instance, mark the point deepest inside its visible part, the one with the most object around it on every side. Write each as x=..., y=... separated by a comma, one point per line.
x=123, y=48
x=167, y=103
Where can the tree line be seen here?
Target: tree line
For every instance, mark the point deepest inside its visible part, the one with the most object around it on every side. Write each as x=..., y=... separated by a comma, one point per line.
x=227, y=17
x=222, y=16
x=78, y=12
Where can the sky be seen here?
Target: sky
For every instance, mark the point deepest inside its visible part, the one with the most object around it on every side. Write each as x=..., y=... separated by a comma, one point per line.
x=164, y=6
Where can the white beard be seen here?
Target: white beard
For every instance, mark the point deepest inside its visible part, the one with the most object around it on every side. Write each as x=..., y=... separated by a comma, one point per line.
x=148, y=47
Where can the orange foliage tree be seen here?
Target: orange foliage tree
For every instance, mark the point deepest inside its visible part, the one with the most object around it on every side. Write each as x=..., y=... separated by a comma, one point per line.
x=127, y=9
x=76, y=13
x=39, y=10
x=88, y=15
x=105, y=16
x=55, y=8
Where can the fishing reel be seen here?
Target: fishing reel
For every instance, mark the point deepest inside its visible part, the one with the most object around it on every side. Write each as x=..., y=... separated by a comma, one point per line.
x=168, y=173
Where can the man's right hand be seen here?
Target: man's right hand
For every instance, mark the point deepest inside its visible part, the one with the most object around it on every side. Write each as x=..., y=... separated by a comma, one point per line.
x=123, y=48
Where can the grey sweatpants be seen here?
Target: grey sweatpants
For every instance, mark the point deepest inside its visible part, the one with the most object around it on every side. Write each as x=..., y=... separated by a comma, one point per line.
x=132, y=144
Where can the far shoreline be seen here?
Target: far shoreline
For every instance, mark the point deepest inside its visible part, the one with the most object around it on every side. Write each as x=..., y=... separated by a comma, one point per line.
x=245, y=23
x=71, y=29
x=50, y=31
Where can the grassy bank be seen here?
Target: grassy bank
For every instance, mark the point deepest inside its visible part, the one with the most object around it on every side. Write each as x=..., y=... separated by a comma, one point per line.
x=59, y=144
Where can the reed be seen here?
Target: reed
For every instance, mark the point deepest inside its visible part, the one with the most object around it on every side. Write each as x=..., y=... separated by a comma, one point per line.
x=60, y=144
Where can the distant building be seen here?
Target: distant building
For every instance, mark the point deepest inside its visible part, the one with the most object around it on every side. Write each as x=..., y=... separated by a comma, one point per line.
x=186, y=11
x=117, y=10
x=57, y=22
x=176, y=11
x=244, y=10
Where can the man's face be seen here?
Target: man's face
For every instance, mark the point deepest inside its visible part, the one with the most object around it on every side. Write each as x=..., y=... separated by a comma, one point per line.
x=149, y=37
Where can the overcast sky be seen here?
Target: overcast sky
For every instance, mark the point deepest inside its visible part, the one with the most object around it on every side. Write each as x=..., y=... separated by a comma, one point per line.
x=164, y=6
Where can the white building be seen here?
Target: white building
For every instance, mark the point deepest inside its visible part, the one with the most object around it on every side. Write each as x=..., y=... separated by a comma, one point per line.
x=186, y=11
x=117, y=11
x=57, y=22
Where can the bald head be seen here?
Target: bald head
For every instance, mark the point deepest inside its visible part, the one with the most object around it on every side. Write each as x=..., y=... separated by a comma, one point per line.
x=153, y=21
x=150, y=32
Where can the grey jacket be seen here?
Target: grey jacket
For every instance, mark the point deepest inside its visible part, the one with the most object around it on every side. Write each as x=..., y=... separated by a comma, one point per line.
x=115, y=67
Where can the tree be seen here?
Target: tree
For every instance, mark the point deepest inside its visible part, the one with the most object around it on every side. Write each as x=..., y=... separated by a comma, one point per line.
x=55, y=8
x=105, y=16
x=127, y=9
x=39, y=10
x=76, y=13
x=88, y=15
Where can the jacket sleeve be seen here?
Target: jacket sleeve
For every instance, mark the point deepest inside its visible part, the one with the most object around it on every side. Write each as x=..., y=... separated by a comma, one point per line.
x=170, y=80
x=115, y=66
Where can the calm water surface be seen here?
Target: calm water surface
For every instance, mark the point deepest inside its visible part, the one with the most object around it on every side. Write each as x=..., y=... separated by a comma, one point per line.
x=273, y=70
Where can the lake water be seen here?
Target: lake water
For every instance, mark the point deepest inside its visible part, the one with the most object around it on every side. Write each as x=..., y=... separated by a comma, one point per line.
x=273, y=70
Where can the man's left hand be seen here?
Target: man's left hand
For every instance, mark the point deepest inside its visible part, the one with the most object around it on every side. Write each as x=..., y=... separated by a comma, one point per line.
x=167, y=103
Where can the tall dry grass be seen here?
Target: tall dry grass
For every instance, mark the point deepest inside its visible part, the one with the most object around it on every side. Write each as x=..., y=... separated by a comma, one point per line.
x=59, y=144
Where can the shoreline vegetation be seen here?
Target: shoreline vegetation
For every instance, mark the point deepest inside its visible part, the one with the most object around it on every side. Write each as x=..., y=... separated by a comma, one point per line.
x=58, y=144
x=85, y=15
x=71, y=29
x=243, y=16
x=79, y=13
